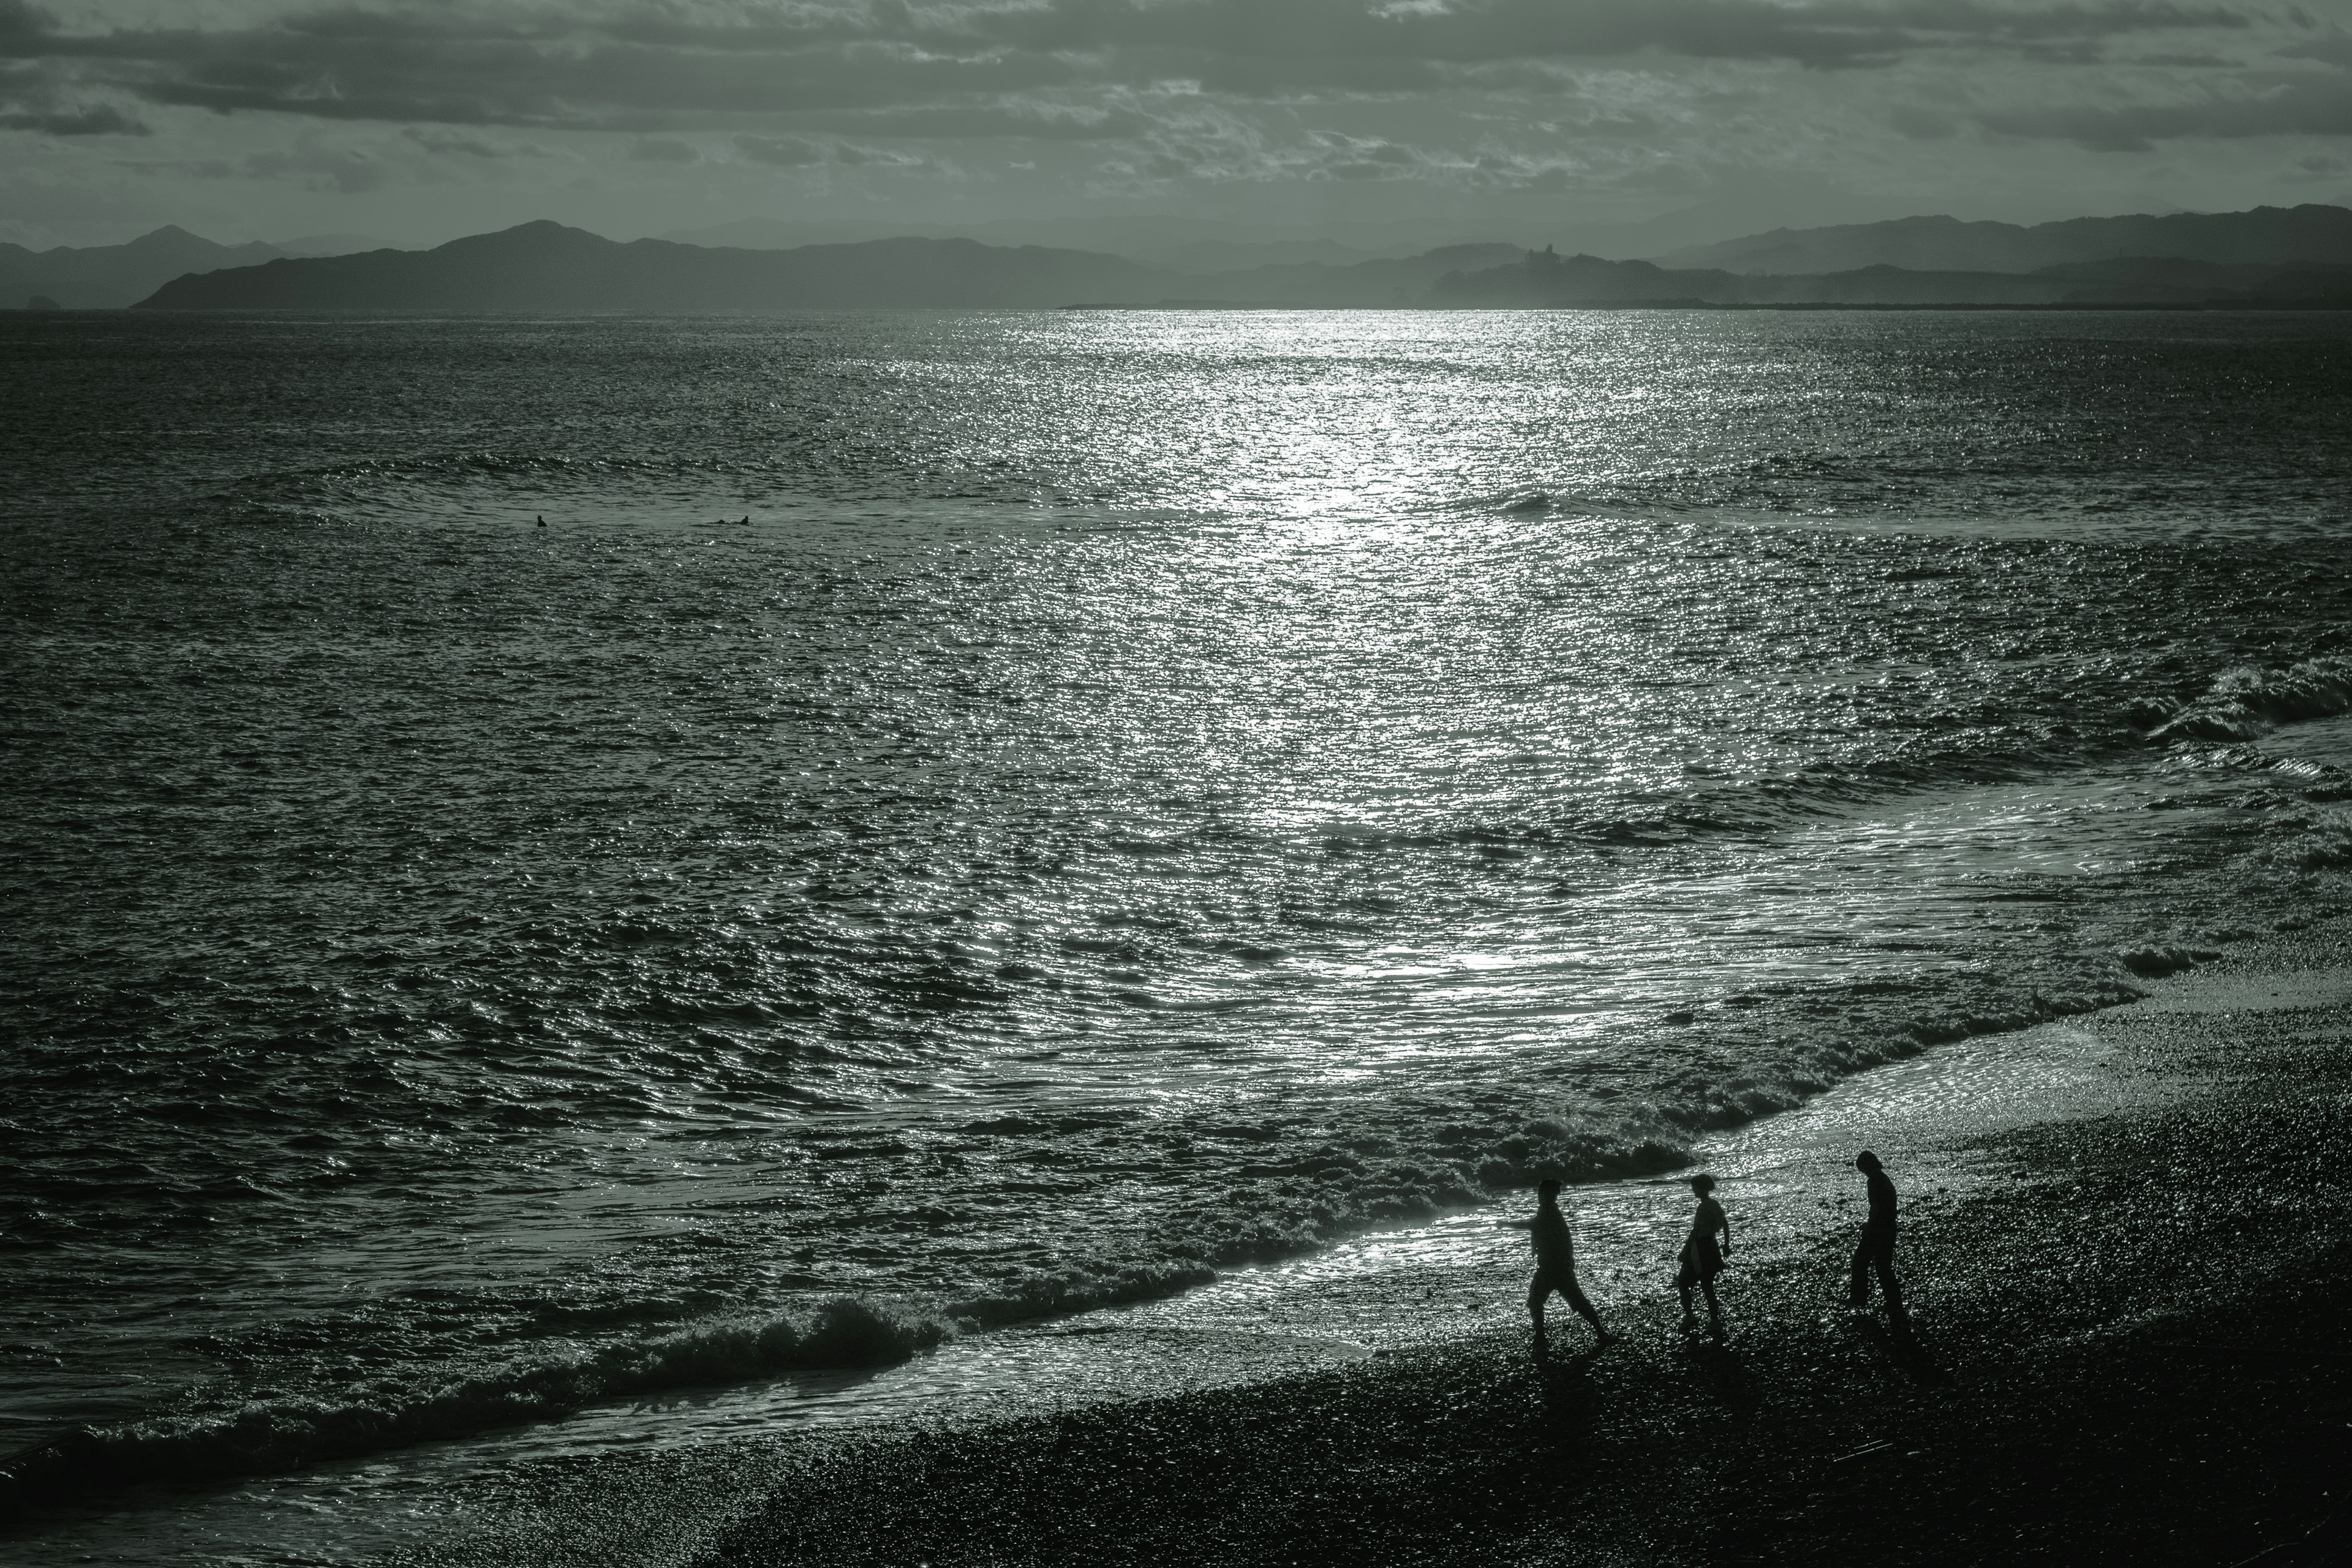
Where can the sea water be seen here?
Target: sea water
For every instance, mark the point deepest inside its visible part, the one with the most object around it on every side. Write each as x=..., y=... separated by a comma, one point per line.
x=959, y=818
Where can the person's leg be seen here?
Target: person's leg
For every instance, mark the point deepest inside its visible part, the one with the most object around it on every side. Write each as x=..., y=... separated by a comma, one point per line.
x=1575, y=1295
x=1537, y=1291
x=1860, y=1294
x=1714, y=1311
x=1884, y=1263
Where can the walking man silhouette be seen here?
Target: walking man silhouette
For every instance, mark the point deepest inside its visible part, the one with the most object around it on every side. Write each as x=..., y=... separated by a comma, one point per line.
x=1556, y=1267
x=1702, y=1258
x=1877, y=1250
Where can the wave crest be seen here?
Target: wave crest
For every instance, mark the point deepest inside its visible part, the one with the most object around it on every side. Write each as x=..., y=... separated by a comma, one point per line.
x=278, y=1434
x=2245, y=702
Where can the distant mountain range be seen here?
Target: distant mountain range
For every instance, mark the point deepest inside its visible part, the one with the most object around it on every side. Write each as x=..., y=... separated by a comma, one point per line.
x=1542, y=279
x=107, y=277
x=100, y=277
x=2265, y=236
x=1187, y=245
x=545, y=267
x=2268, y=255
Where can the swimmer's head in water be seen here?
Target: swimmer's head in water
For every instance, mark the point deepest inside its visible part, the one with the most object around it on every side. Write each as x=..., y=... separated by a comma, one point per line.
x=1548, y=1189
x=1866, y=1160
x=1702, y=1185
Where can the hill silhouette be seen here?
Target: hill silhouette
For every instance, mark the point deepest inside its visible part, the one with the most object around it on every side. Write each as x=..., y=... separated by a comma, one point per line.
x=1542, y=279
x=545, y=267
x=105, y=277
x=2308, y=234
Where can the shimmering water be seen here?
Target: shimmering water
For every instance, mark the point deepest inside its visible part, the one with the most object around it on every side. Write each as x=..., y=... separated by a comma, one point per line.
x=1142, y=793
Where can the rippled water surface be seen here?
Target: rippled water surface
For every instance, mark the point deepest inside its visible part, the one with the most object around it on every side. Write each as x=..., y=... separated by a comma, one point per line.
x=1140, y=794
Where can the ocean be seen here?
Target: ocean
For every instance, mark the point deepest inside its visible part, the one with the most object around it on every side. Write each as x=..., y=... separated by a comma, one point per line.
x=555, y=866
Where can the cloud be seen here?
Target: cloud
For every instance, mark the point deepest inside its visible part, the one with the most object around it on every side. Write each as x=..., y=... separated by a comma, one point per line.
x=1363, y=99
x=2334, y=48
x=1020, y=118
x=99, y=119
x=803, y=152
x=452, y=143
x=783, y=151
x=1922, y=123
x=650, y=68
x=878, y=157
x=1259, y=43
x=2303, y=106
x=321, y=168
x=21, y=24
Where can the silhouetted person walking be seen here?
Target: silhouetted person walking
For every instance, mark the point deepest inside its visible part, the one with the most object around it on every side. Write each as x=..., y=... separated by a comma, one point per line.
x=1877, y=1250
x=1703, y=1256
x=1555, y=1267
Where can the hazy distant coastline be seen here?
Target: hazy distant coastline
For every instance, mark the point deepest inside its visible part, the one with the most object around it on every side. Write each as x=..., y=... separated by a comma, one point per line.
x=108, y=277
x=2274, y=256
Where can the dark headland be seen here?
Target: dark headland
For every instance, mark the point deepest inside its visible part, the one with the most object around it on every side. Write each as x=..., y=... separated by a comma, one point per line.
x=2127, y=1350
x=2298, y=257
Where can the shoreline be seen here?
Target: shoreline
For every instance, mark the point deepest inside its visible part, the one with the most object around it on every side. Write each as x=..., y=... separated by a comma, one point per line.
x=1363, y=1327
x=2104, y=1370
x=2053, y=1288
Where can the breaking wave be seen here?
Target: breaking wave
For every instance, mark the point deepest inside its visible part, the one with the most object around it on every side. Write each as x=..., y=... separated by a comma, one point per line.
x=2249, y=700
x=273, y=1436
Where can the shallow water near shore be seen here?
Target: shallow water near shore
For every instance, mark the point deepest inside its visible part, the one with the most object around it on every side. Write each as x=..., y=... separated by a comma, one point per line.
x=688, y=1463
x=1144, y=811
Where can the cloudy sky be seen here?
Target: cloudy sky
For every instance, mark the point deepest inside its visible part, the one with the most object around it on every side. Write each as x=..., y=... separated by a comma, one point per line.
x=1525, y=120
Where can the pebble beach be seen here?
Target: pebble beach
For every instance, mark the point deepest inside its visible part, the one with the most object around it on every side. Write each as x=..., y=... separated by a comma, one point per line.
x=2120, y=1352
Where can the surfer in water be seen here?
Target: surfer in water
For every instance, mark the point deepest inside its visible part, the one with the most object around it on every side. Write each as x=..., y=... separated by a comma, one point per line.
x=1877, y=1250
x=1703, y=1255
x=1555, y=1267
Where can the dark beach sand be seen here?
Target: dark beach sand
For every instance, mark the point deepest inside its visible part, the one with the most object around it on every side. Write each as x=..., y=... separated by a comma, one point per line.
x=2127, y=1350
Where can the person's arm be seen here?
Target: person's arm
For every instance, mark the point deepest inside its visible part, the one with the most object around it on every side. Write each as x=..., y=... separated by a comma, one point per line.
x=1723, y=1220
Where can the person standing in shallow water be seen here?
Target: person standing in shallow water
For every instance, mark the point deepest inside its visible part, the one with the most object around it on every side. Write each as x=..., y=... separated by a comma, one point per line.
x=1877, y=1250
x=1556, y=1267
x=1703, y=1256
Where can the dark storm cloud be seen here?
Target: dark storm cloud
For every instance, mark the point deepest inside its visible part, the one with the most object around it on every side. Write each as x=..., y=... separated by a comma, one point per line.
x=21, y=23
x=646, y=69
x=366, y=65
x=2334, y=47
